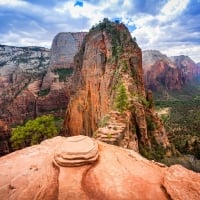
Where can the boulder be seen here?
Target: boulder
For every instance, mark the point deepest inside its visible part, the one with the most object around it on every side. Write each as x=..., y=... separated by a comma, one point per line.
x=76, y=151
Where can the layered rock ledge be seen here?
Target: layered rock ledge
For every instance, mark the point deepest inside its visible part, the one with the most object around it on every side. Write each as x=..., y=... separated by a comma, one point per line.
x=76, y=151
x=33, y=173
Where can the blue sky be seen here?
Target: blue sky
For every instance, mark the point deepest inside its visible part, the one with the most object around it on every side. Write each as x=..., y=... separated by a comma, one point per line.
x=171, y=26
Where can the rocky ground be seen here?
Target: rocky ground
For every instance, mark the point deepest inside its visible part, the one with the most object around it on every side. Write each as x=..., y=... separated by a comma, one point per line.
x=49, y=171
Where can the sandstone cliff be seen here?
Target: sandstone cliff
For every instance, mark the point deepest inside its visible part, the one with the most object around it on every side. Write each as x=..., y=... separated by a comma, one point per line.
x=19, y=67
x=163, y=73
x=64, y=47
x=49, y=171
x=110, y=102
x=187, y=66
x=34, y=80
x=4, y=138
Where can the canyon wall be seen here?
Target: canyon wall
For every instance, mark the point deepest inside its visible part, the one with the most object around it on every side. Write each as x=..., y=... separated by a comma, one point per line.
x=110, y=102
x=34, y=80
x=20, y=67
x=164, y=73
x=5, y=146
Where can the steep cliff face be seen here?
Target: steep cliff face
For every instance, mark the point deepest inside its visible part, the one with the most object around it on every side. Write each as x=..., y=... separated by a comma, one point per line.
x=161, y=72
x=4, y=138
x=20, y=67
x=64, y=47
x=34, y=80
x=78, y=167
x=188, y=67
x=110, y=101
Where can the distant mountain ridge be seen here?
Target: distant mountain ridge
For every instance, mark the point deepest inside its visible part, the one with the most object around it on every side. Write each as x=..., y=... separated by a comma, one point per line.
x=168, y=73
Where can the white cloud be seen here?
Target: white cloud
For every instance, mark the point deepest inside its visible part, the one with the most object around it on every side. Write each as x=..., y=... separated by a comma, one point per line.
x=167, y=32
x=12, y=3
x=162, y=31
x=174, y=7
x=24, y=39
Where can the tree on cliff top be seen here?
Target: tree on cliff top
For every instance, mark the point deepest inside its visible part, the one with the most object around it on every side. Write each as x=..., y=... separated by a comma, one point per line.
x=33, y=132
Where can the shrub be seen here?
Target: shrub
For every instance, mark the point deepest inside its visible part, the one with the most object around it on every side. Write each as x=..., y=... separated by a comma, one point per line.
x=33, y=132
x=104, y=121
x=151, y=126
x=44, y=92
x=63, y=73
x=156, y=152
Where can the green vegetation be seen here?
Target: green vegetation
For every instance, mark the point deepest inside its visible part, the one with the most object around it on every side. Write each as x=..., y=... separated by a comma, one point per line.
x=34, y=131
x=145, y=102
x=44, y=92
x=118, y=36
x=156, y=152
x=95, y=133
x=109, y=136
x=124, y=66
x=64, y=73
x=104, y=121
x=121, y=101
x=151, y=126
x=183, y=120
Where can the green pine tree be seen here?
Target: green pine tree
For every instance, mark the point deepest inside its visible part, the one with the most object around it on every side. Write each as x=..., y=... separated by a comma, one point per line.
x=121, y=99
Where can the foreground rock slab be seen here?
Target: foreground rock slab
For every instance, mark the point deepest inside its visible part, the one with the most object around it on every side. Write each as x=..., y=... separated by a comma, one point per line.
x=34, y=173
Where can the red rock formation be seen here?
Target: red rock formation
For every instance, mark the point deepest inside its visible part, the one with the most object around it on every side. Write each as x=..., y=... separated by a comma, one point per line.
x=188, y=67
x=34, y=173
x=4, y=138
x=26, y=92
x=161, y=72
x=108, y=60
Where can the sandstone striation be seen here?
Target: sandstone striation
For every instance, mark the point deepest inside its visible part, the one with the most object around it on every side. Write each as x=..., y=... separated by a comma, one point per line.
x=118, y=174
x=108, y=64
x=76, y=151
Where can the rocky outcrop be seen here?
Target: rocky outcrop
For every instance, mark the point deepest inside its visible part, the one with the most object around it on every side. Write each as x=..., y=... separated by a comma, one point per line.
x=118, y=173
x=110, y=102
x=160, y=72
x=4, y=138
x=36, y=81
x=163, y=73
x=64, y=47
x=19, y=67
x=188, y=67
x=76, y=151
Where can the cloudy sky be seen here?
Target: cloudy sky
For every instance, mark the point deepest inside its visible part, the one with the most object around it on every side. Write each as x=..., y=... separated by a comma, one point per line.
x=171, y=26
